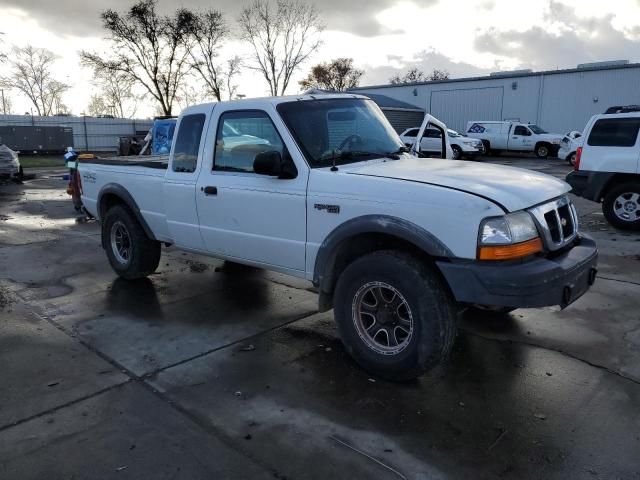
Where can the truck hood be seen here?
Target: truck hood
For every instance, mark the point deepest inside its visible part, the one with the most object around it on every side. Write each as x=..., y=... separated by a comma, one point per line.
x=511, y=188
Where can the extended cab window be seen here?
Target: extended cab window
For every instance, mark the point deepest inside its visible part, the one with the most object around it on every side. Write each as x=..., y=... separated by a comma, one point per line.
x=520, y=130
x=185, y=152
x=615, y=132
x=241, y=136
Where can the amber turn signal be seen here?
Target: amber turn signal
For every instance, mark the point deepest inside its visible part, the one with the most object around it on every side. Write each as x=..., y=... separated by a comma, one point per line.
x=509, y=252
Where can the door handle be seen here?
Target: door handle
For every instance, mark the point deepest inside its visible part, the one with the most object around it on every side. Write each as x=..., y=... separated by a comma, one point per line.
x=210, y=190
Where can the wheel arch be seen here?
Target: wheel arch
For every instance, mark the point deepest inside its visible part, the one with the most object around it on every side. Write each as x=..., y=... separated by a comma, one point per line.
x=114, y=194
x=614, y=180
x=366, y=234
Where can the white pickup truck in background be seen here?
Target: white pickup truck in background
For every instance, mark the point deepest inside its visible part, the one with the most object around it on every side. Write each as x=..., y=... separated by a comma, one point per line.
x=322, y=188
x=515, y=137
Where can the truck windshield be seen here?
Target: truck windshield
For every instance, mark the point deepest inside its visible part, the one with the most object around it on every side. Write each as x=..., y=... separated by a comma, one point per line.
x=340, y=130
x=536, y=129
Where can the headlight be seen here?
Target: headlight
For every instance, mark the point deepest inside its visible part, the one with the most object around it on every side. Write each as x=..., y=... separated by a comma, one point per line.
x=511, y=236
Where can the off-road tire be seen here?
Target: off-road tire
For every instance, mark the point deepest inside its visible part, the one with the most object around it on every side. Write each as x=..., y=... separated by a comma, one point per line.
x=542, y=150
x=432, y=309
x=145, y=253
x=609, y=206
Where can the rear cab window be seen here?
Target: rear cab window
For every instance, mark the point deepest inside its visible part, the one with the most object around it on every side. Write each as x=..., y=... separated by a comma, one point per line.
x=185, y=151
x=614, y=132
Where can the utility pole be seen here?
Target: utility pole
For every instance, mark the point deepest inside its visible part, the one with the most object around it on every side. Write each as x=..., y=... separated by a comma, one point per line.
x=4, y=105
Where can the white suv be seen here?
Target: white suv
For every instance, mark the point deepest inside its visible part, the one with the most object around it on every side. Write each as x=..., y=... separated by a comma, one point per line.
x=431, y=142
x=607, y=166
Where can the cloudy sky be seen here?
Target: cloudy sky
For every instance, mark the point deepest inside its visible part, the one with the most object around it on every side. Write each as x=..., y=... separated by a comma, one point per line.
x=465, y=37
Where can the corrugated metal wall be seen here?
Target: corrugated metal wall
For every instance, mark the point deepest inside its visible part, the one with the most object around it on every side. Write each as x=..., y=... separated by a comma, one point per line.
x=558, y=102
x=453, y=106
x=89, y=133
x=400, y=120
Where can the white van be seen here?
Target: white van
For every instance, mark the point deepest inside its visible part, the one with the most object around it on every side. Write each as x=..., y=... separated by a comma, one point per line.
x=514, y=136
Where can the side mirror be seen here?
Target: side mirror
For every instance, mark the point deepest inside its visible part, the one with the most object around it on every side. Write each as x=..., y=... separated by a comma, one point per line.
x=268, y=163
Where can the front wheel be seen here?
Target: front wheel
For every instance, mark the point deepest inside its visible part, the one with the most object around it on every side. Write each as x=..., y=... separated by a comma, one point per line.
x=572, y=159
x=542, y=151
x=131, y=253
x=621, y=206
x=395, y=315
x=457, y=152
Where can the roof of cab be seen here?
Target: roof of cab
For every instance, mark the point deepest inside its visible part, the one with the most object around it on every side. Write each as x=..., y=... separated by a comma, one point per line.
x=276, y=100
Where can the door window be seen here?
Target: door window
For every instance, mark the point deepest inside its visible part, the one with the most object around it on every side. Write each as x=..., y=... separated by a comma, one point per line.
x=412, y=133
x=241, y=136
x=615, y=132
x=185, y=152
x=522, y=131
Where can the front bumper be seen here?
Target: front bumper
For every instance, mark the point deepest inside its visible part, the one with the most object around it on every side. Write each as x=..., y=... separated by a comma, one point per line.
x=539, y=282
x=471, y=150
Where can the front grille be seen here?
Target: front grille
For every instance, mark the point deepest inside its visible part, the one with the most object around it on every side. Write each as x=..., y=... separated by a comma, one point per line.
x=557, y=221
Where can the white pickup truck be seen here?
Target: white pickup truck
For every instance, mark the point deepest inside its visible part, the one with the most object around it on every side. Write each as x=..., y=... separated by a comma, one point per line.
x=322, y=188
x=514, y=137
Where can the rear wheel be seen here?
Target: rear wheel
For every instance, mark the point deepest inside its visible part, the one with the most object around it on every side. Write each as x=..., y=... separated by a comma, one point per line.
x=395, y=316
x=572, y=158
x=621, y=206
x=131, y=253
x=542, y=150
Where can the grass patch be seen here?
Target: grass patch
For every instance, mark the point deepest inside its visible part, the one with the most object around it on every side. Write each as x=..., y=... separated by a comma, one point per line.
x=41, y=161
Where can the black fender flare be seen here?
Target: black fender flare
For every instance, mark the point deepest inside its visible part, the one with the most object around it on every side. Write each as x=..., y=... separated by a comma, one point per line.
x=122, y=193
x=398, y=227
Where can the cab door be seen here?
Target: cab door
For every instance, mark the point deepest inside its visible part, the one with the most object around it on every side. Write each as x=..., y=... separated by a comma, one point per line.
x=520, y=138
x=180, y=180
x=432, y=141
x=248, y=216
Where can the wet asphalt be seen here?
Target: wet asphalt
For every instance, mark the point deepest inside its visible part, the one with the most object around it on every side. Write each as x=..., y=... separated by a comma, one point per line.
x=210, y=370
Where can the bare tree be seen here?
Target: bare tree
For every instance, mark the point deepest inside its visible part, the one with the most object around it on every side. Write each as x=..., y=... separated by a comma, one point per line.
x=437, y=75
x=189, y=95
x=98, y=106
x=5, y=102
x=234, y=65
x=209, y=32
x=414, y=75
x=337, y=75
x=148, y=49
x=117, y=92
x=283, y=35
x=30, y=74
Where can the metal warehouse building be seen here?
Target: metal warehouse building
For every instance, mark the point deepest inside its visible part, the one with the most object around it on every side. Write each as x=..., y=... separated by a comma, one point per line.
x=557, y=100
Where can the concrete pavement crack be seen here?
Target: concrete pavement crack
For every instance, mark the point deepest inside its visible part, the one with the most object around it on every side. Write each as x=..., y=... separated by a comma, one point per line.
x=556, y=350
x=64, y=405
x=631, y=282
